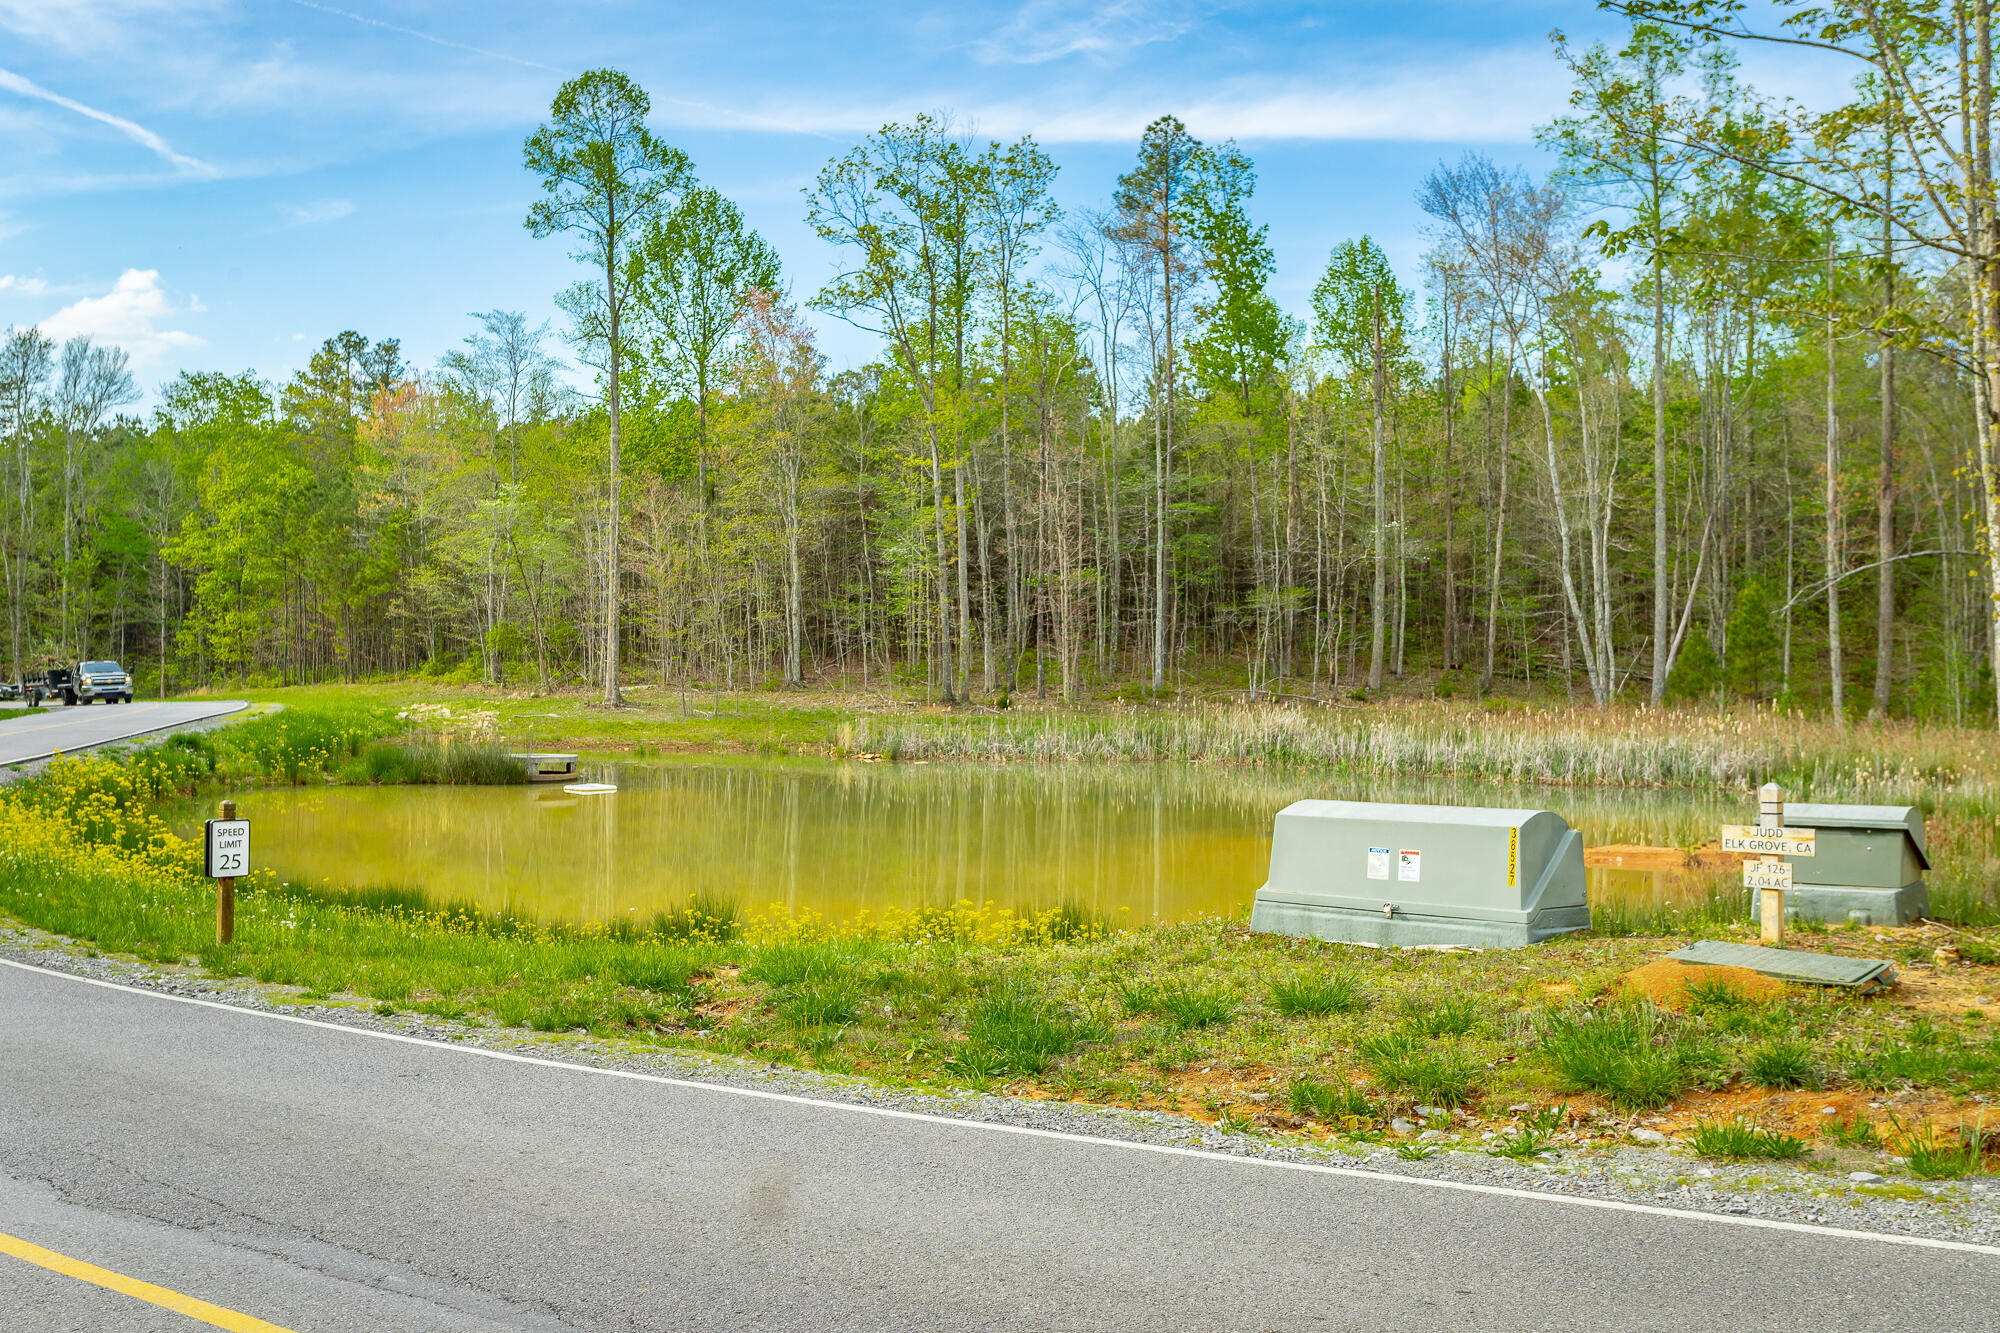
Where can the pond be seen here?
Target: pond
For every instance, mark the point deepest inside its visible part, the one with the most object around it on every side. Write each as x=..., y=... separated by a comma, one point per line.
x=1131, y=843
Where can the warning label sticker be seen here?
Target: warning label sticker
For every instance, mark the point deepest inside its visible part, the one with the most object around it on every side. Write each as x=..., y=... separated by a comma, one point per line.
x=1378, y=863
x=1409, y=866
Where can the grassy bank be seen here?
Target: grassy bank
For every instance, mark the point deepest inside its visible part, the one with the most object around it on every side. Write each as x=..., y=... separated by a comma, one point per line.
x=1254, y=1032
x=1499, y=741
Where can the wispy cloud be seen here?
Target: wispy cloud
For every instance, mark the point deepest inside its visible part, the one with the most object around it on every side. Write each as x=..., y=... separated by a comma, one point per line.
x=313, y=214
x=1498, y=98
x=1045, y=30
x=131, y=315
x=424, y=36
x=12, y=282
x=137, y=133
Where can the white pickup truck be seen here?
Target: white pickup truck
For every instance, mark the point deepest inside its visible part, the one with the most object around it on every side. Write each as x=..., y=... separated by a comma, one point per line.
x=99, y=680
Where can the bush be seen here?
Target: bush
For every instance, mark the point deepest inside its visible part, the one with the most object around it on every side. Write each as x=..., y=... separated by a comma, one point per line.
x=1314, y=996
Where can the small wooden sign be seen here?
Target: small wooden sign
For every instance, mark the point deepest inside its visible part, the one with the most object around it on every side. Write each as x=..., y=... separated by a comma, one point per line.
x=1767, y=874
x=1768, y=842
x=228, y=848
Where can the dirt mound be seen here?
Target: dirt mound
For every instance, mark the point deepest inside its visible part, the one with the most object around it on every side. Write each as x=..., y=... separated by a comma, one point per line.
x=1665, y=981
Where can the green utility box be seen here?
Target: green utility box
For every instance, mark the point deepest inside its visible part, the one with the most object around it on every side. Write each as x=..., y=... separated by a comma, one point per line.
x=1867, y=865
x=1422, y=875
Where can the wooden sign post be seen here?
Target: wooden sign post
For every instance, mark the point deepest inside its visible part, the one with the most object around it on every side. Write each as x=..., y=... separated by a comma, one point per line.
x=227, y=855
x=1769, y=838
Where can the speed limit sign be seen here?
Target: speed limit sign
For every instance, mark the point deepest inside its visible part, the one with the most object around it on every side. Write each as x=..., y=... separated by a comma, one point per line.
x=228, y=848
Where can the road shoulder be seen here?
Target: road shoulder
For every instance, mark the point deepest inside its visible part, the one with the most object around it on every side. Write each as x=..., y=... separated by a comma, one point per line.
x=1670, y=1180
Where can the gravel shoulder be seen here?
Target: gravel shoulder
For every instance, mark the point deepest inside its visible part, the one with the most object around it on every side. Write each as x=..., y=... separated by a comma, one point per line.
x=1670, y=1177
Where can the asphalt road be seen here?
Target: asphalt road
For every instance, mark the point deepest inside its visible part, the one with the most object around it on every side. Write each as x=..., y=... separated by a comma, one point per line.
x=70, y=728
x=328, y=1179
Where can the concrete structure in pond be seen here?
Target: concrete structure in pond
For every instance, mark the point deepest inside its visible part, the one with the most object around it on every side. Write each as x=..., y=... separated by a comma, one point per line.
x=1372, y=873
x=1867, y=865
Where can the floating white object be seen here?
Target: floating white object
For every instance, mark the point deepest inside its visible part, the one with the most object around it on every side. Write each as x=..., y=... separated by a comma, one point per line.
x=589, y=788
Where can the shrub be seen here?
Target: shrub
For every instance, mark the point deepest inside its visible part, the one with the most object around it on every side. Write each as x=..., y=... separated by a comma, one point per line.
x=1315, y=995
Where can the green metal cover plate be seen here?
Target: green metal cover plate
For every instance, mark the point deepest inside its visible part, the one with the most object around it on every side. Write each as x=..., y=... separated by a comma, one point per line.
x=1818, y=969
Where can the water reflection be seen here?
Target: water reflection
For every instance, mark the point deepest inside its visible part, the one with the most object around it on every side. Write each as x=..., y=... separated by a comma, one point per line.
x=1136, y=842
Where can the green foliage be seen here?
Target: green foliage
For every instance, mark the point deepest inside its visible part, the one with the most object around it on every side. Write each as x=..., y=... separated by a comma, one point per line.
x=1316, y=994
x=1635, y=1055
x=1440, y=1015
x=1435, y=1074
x=1783, y=1063
x=1756, y=645
x=1936, y=1154
x=1697, y=671
x=1017, y=1032
x=1336, y=1103
x=1741, y=1139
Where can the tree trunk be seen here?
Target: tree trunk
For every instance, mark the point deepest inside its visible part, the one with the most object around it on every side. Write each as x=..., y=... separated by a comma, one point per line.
x=1378, y=598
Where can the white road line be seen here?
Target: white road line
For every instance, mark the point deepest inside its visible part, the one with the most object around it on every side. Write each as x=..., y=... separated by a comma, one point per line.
x=1160, y=1149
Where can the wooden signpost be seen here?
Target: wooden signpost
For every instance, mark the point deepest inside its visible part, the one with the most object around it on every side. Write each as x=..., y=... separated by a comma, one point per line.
x=226, y=854
x=1769, y=838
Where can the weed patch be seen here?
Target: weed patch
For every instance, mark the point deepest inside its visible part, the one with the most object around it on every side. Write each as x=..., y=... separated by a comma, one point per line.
x=1741, y=1140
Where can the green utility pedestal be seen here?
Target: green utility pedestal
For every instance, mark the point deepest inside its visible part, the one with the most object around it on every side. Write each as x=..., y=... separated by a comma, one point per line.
x=1415, y=875
x=1867, y=866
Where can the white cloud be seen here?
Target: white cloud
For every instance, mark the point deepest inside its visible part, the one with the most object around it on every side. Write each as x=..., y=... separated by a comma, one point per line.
x=324, y=210
x=129, y=315
x=1044, y=30
x=93, y=26
x=139, y=134
x=1498, y=98
x=10, y=282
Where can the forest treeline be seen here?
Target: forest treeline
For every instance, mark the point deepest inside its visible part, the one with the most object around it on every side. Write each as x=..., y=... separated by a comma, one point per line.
x=1708, y=412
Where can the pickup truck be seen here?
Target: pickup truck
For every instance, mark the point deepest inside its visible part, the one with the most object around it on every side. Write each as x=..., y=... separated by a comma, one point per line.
x=93, y=680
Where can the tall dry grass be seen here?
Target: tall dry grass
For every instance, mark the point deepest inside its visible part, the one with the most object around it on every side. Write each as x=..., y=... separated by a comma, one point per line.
x=1620, y=747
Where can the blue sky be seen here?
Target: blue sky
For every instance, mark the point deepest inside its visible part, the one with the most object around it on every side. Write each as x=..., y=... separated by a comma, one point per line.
x=221, y=184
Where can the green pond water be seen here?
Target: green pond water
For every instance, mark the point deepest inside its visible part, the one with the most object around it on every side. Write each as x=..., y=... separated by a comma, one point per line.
x=1133, y=843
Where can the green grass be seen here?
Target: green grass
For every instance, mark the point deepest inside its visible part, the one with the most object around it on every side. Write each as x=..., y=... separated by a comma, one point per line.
x=1935, y=1154
x=1783, y=1062
x=1440, y=1015
x=1017, y=1032
x=1335, y=1103
x=1635, y=1055
x=1739, y=1139
x=1317, y=994
x=1181, y=1005
x=1523, y=1145
x=1427, y=1073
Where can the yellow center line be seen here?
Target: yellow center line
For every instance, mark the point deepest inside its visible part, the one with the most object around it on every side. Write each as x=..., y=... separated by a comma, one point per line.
x=213, y=1315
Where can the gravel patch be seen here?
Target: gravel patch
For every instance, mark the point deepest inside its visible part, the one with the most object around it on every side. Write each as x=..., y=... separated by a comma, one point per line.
x=1668, y=1176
